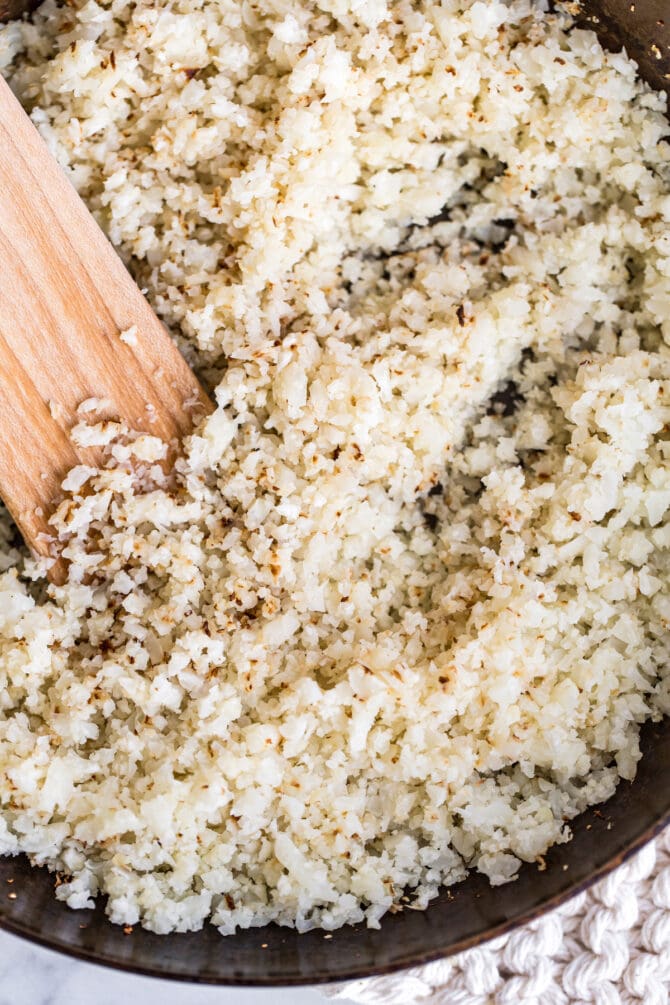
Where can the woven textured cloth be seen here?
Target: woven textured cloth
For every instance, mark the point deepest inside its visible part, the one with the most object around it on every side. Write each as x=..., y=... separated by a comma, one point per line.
x=608, y=946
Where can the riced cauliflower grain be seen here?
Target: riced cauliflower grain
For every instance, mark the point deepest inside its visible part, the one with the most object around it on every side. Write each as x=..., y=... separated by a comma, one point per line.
x=129, y=335
x=405, y=606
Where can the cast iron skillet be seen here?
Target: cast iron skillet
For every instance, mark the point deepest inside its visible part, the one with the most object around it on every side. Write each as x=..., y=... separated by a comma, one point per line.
x=464, y=916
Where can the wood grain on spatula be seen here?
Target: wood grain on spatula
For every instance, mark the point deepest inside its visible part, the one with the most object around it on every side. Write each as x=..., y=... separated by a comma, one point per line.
x=65, y=299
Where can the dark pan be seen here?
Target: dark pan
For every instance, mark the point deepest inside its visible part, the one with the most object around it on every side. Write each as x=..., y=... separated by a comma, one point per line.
x=464, y=916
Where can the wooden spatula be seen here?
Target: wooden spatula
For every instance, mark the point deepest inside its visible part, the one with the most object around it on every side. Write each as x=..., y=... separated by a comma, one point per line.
x=65, y=301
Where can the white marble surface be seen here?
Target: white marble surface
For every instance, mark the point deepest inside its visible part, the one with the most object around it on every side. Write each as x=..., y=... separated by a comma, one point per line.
x=30, y=975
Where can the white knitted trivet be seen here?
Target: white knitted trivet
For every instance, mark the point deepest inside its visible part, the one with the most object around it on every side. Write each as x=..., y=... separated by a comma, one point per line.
x=608, y=946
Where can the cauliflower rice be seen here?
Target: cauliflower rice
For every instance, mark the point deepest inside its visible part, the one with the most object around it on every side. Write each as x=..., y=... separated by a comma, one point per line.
x=406, y=607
